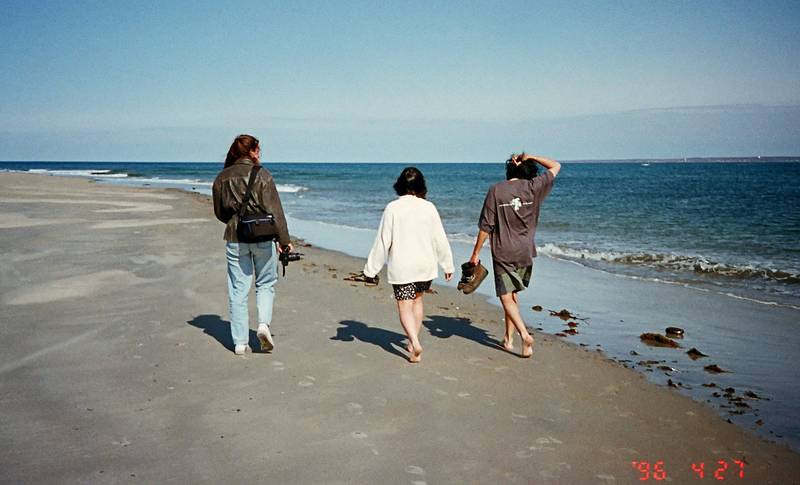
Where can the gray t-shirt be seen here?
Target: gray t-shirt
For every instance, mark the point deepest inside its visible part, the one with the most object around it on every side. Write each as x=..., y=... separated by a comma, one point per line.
x=510, y=214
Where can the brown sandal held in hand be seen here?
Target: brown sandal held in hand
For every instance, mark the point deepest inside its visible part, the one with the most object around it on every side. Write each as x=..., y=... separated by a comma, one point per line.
x=472, y=275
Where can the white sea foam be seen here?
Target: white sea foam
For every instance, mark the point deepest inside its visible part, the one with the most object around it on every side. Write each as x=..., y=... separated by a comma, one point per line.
x=698, y=265
x=181, y=182
x=290, y=188
x=93, y=173
x=461, y=237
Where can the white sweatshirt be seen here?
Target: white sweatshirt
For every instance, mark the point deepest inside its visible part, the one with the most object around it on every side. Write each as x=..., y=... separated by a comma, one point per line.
x=411, y=241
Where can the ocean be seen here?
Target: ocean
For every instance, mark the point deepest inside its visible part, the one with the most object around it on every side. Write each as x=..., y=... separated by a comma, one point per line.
x=726, y=225
x=712, y=246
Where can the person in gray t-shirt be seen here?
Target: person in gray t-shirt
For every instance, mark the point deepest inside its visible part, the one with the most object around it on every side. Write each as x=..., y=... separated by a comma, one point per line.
x=508, y=219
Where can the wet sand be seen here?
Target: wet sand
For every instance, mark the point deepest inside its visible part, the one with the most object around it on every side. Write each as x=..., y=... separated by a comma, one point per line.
x=116, y=365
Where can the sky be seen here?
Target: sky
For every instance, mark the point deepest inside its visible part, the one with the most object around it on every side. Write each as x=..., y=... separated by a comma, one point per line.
x=398, y=81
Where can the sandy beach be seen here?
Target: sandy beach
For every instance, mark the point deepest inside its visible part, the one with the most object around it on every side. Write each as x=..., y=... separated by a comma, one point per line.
x=117, y=366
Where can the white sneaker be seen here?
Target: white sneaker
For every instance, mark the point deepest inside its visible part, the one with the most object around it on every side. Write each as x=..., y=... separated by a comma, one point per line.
x=240, y=349
x=267, y=344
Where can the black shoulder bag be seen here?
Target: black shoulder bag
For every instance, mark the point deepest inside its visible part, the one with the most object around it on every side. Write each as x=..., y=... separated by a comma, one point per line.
x=254, y=228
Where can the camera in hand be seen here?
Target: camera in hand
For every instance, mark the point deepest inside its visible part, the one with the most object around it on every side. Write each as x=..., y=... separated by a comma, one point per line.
x=287, y=257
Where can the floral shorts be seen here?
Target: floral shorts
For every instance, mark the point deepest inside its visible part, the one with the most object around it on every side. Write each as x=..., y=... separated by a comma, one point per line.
x=409, y=291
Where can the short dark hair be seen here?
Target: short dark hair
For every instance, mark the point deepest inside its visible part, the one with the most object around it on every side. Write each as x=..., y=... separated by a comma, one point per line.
x=527, y=169
x=411, y=182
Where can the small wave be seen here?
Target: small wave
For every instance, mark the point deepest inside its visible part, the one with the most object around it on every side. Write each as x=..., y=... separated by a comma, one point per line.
x=93, y=173
x=160, y=181
x=675, y=262
x=290, y=188
x=461, y=238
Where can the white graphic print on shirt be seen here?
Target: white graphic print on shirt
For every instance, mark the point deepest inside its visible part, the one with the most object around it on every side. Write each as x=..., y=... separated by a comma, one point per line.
x=515, y=203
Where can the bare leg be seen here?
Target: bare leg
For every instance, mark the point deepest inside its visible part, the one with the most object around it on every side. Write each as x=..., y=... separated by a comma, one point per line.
x=405, y=308
x=419, y=312
x=511, y=309
x=508, y=338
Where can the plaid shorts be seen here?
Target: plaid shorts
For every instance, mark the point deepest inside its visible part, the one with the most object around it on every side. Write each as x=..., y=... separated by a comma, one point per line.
x=409, y=291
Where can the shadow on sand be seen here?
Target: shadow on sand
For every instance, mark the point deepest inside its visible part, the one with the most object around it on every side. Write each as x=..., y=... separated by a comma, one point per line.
x=385, y=339
x=445, y=327
x=215, y=326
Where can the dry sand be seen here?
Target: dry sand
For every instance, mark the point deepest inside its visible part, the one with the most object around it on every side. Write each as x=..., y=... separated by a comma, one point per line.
x=116, y=366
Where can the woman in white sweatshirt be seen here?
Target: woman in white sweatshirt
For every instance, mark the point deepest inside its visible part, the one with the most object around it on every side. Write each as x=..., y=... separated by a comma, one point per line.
x=411, y=242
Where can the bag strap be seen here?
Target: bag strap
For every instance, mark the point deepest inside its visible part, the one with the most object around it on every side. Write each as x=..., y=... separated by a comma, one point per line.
x=248, y=193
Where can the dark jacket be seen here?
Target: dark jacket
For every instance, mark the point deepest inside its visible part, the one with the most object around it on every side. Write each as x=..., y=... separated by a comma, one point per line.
x=229, y=189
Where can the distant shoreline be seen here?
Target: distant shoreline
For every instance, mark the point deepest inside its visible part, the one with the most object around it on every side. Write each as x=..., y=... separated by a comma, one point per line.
x=743, y=159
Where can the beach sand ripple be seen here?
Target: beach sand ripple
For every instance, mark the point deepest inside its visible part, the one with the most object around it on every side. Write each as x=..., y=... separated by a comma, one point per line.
x=72, y=287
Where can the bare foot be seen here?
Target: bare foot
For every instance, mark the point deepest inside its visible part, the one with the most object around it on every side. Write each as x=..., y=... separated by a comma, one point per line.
x=527, y=347
x=508, y=344
x=415, y=355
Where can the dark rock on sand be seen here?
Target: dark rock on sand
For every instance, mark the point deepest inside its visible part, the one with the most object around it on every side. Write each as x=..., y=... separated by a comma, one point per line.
x=752, y=395
x=571, y=331
x=536, y=308
x=714, y=369
x=675, y=332
x=633, y=352
x=671, y=384
x=658, y=340
x=667, y=368
x=695, y=354
x=710, y=384
x=563, y=314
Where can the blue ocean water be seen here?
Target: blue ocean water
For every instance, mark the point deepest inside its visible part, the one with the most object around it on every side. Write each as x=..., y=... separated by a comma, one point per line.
x=729, y=225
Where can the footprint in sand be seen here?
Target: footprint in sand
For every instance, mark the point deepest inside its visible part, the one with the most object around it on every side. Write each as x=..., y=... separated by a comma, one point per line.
x=609, y=391
x=355, y=408
x=606, y=478
x=450, y=378
x=545, y=440
x=518, y=417
x=359, y=435
x=463, y=394
x=524, y=453
x=418, y=473
x=305, y=383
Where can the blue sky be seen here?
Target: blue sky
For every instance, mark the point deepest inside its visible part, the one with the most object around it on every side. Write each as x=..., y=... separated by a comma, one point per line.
x=401, y=81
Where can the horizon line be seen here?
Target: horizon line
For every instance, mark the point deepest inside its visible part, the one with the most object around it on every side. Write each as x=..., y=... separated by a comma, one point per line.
x=730, y=159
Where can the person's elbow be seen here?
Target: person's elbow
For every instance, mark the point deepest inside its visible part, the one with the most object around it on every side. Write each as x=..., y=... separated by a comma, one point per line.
x=555, y=168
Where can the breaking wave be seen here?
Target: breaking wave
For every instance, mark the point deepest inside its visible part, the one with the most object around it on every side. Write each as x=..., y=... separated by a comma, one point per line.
x=98, y=173
x=697, y=265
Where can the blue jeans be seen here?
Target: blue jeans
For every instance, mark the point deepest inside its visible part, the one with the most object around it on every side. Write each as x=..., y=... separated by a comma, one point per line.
x=244, y=261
